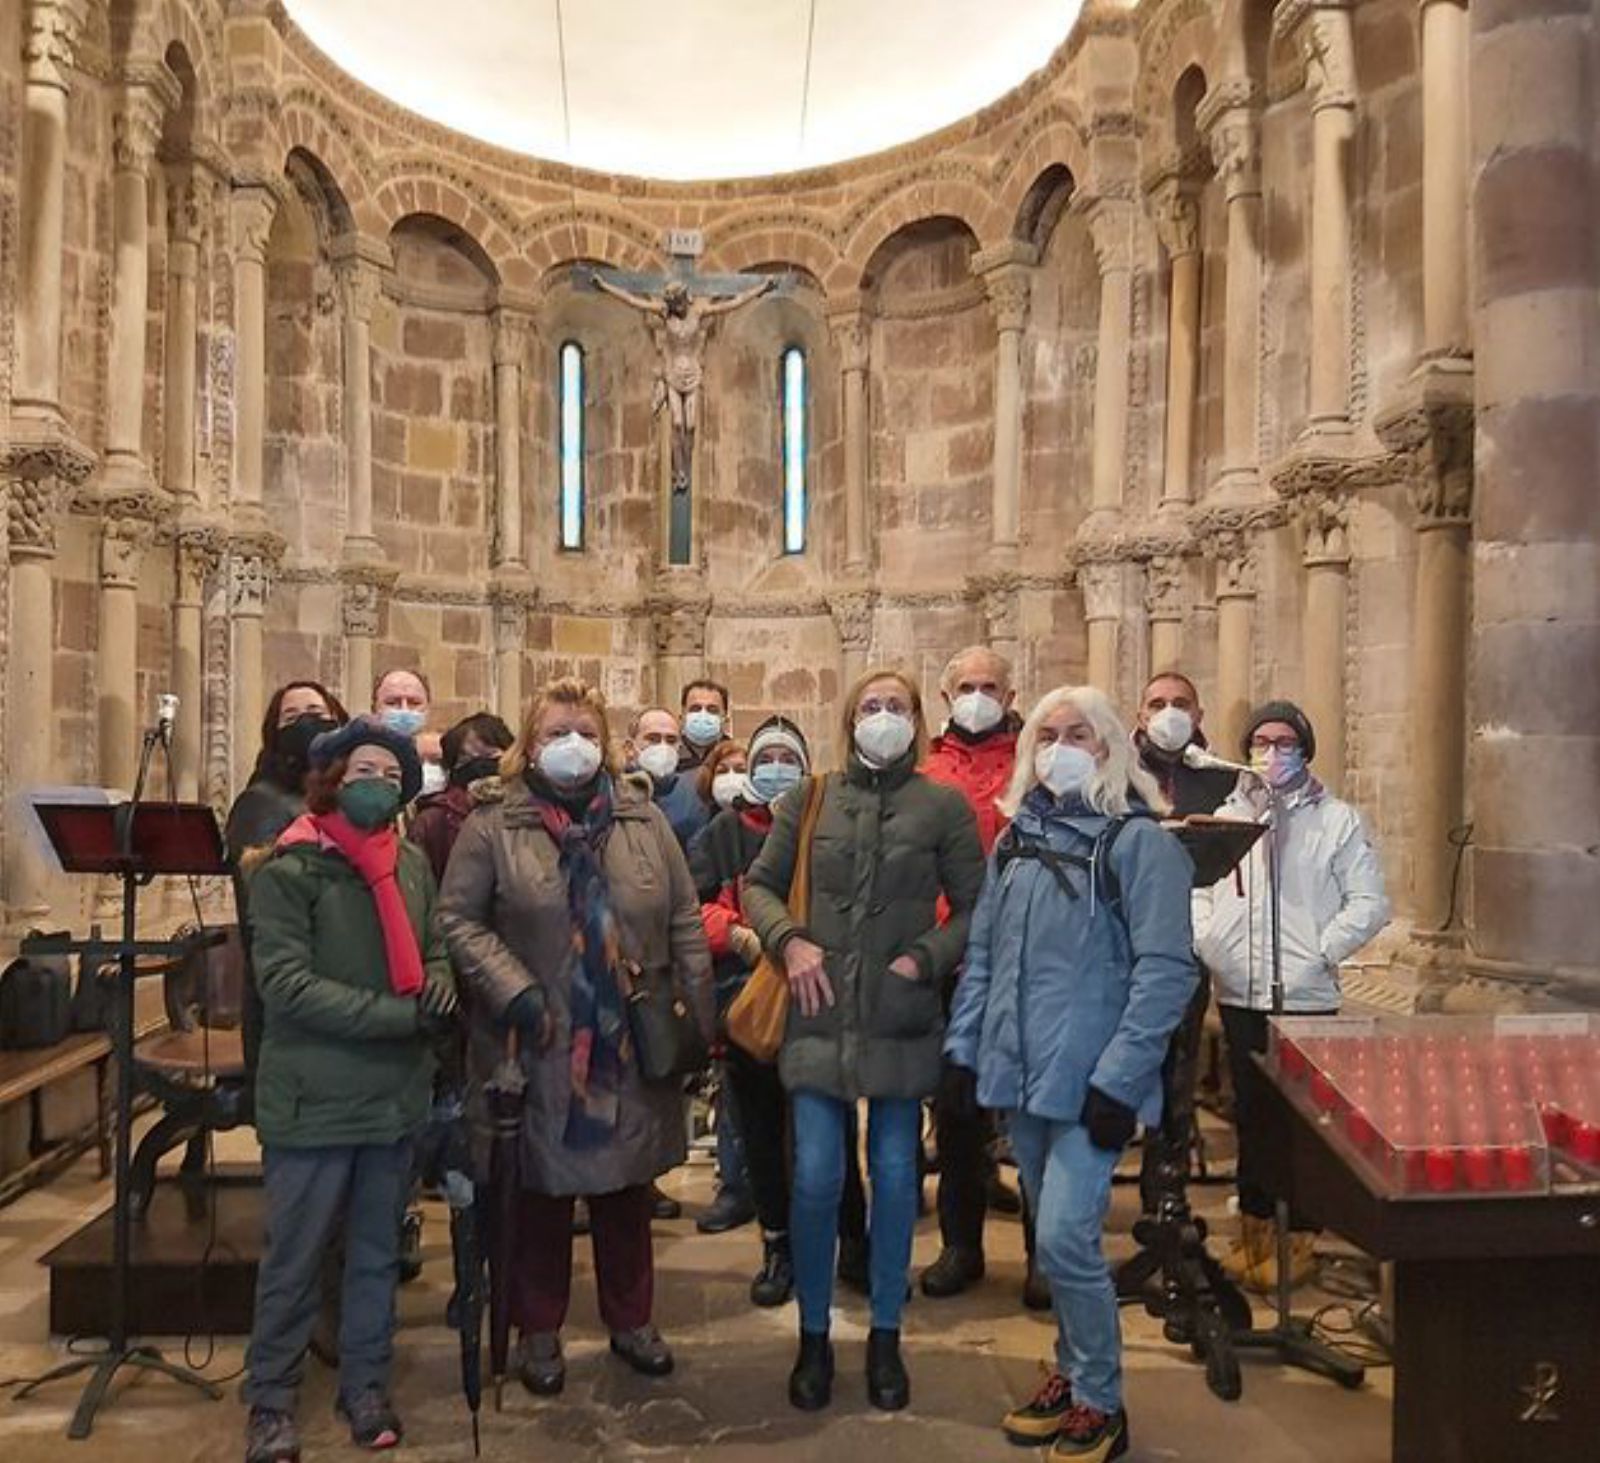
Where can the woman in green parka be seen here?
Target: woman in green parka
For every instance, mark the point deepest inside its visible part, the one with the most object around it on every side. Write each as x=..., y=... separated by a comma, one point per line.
x=866, y=1015
x=355, y=984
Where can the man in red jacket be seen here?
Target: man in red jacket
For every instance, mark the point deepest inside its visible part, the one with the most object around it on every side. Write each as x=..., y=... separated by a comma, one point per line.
x=973, y=754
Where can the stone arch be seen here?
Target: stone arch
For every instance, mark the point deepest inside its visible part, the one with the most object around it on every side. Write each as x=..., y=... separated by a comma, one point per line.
x=172, y=22
x=913, y=230
x=1244, y=41
x=1183, y=36
x=304, y=128
x=329, y=208
x=955, y=198
x=425, y=193
x=1042, y=205
x=1056, y=141
x=764, y=238
x=561, y=236
x=451, y=233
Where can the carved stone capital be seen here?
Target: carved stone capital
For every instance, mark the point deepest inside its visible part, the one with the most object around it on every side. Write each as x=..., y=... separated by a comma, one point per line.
x=1008, y=283
x=1324, y=519
x=149, y=92
x=1322, y=30
x=359, y=285
x=1229, y=94
x=850, y=325
x=1230, y=536
x=1433, y=429
x=190, y=190
x=1235, y=141
x=998, y=595
x=251, y=210
x=853, y=613
x=42, y=468
x=199, y=548
x=361, y=610
x=50, y=41
x=511, y=332
x=1111, y=232
x=253, y=559
x=511, y=605
x=678, y=624
x=1163, y=587
x=123, y=540
x=1175, y=210
x=1101, y=582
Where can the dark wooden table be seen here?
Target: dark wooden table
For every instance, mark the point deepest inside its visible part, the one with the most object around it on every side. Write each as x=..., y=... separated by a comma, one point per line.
x=1496, y=1301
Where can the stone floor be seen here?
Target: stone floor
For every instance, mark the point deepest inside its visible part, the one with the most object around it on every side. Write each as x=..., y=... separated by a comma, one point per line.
x=969, y=1357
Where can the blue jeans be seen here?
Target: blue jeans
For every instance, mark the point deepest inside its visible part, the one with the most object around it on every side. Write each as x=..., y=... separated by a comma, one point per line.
x=1068, y=1184
x=894, y=1126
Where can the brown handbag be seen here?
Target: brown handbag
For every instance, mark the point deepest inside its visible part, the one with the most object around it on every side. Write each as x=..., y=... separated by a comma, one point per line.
x=758, y=1014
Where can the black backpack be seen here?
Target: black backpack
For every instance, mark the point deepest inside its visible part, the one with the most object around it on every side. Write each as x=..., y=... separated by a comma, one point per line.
x=35, y=1002
x=1100, y=879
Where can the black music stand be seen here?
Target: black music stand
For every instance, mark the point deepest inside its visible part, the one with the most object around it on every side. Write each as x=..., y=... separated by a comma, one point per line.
x=134, y=841
x=1179, y=1282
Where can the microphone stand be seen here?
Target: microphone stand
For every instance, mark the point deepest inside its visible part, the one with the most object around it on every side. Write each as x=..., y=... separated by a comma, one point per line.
x=1289, y=1338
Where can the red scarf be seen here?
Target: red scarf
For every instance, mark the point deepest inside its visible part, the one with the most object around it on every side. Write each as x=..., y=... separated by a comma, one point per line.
x=376, y=856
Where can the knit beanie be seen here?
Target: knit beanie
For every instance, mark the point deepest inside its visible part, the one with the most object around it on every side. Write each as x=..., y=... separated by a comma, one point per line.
x=1286, y=712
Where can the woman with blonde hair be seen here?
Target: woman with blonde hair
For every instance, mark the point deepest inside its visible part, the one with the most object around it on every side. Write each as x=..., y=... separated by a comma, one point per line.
x=866, y=966
x=553, y=897
x=1078, y=970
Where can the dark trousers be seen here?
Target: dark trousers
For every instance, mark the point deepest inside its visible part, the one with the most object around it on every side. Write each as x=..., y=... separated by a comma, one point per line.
x=1246, y=1031
x=764, y=1124
x=1164, y=1163
x=311, y=1193
x=965, y=1163
x=624, y=1267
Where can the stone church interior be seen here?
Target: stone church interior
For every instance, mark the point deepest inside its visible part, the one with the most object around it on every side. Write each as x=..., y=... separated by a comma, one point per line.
x=451, y=453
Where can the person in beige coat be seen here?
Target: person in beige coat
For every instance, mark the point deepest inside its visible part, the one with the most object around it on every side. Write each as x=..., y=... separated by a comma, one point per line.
x=549, y=892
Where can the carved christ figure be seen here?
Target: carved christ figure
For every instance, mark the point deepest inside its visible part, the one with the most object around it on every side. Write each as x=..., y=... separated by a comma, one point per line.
x=679, y=324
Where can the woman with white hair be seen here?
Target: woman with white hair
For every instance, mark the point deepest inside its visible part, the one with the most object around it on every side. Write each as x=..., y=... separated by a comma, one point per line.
x=1078, y=969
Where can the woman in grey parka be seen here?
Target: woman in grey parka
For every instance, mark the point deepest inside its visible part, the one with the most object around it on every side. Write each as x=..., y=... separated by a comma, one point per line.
x=1078, y=970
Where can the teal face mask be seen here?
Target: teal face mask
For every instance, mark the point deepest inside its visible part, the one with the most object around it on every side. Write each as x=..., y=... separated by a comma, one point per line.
x=771, y=780
x=369, y=802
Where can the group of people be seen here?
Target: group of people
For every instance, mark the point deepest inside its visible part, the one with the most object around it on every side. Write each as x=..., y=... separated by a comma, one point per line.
x=993, y=920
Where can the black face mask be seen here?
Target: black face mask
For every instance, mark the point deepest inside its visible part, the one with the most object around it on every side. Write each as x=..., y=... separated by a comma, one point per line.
x=463, y=774
x=293, y=742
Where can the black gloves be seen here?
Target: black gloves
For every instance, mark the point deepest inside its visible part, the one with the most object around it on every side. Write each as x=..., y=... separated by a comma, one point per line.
x=437, y=1006
x=1110, y=1123
x=957, y=1096
x=527, y=1012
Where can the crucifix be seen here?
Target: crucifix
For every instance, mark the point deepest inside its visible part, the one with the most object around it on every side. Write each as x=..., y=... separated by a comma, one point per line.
x=679, y=308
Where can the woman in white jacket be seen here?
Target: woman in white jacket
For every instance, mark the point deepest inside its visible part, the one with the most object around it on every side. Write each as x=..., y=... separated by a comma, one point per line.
x=1332, y=904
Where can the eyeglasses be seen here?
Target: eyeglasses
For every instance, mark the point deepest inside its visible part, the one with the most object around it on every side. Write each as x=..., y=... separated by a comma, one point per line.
x=1274, y=744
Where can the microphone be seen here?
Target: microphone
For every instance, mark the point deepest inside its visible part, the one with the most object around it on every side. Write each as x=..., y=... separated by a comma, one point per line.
x=166, y=716
x=1204, y=761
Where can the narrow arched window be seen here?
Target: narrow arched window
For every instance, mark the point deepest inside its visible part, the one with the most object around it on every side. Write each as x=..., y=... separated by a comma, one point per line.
x=793, y=392
x=571, y=439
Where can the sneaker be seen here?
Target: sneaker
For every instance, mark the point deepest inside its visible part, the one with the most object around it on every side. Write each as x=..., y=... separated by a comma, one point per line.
x=1038, y=1420
x=373, y=1423
x=1090, y=1436
x=270, y=1436
x=411, y=1246
x=954, y=1270
x=729, y=1210
x=774, y=1282
x=665, y=1206
x=540, y=1366
x=643, y=1350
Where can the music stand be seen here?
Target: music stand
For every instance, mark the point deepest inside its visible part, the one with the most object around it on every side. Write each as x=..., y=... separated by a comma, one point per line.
x=1198, y=1304
x=135, y=842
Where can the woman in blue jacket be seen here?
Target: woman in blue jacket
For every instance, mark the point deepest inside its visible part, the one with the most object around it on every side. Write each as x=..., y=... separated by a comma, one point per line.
x=1078, y=970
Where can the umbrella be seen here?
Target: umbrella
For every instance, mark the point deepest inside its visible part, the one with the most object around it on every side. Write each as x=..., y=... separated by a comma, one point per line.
x=445, y=1160
x=503, y=1092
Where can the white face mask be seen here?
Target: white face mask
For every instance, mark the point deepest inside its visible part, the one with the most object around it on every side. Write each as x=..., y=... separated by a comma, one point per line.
x=1171, y=729
x=976, y=712
x=569, y=761
x=659, y=760
x=884, y=737
x=726, y=787
x=434, y=778
x=1063, y=768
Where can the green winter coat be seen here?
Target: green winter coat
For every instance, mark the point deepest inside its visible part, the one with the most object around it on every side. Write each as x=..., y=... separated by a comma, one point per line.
x=342, y=1060
x=887, y=845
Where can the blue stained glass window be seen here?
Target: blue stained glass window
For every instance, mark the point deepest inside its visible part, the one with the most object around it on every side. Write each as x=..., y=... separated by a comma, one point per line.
x=794, y=450
x=571, y=445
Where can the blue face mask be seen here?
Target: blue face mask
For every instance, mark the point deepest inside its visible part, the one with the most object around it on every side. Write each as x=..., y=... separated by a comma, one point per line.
x=771, y=780
x=399, y=719
x=702, y=727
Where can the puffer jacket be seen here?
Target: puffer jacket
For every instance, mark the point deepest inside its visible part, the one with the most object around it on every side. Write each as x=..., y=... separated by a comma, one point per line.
x=686, y=811
x=888, y=843
x=1063, y=992
x=980, y=770
x=1333, y=903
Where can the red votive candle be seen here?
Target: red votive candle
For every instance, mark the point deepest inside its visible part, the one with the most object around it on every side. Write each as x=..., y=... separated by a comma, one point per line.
x=1439, y=1169
x=1478, y=1164
x=1586, y=1142
x=1517, y=1163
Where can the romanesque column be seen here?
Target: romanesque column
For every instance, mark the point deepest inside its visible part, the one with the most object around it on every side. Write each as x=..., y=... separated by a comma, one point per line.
x=1101, y=582
x=510, y=639
x=1231, y=540
x=679, y=627
x=136, y=130
x=188, y=195
x=196, y=559
x=251, y=561
x=125, y=532
x=852, y=336
x=510, y=346
x=1163, y=600
x=356, y=265
x=251, y=209
x=1325, y=520
x=1534, y=877
x=1329, y=49
x=1233, y=126
x=1111, y=230
x=360, y=609
x=1446, y=323
x=1007, y=275
x=1177, y=218
x=853, y=615
x=52, y=31
x=999, y=595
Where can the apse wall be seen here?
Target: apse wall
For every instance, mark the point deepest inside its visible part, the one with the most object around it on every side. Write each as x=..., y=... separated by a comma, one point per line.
x=995, y=321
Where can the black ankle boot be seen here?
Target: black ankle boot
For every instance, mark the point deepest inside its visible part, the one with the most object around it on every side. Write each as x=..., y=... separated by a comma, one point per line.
x=811, y=1381
x=774, y=1283
x=888, y=1386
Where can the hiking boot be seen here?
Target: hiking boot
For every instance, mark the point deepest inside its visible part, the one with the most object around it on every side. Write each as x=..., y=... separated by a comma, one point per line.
x=1001, y=1197
x=853, y=1269
x=954, y=1270
x=373, y=1423
x=774, y=1282
x=1039, y=1419
x=1252, y=1251
x=270, y=1436
x=665, y=1206
x=410, y=1246
x=729, y=1210
x=888, y=1384
x=811, y=1381
x=643, y=1350
x=540, y=1366
x=1090, y=1436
